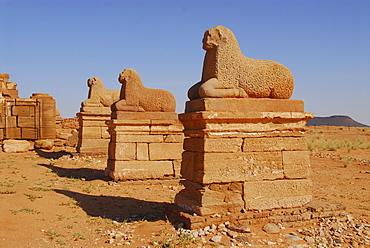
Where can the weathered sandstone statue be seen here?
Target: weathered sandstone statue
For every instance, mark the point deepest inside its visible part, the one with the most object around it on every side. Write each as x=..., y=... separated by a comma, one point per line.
x=146, y=139
x=99, y=95
x=227, y=73
x=136, y=97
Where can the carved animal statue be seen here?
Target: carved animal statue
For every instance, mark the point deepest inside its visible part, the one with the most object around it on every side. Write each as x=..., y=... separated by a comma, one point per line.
x=99, y=95
x=136, y=97
x=228, y=73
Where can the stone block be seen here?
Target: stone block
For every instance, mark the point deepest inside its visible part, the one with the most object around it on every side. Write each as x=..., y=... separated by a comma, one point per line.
x=124, y=170
x=91, y=132
x=47, y=133
x=213, y=145
x=13, y=133
x=122, y=151
x=242, y=124
x=129, y=126
x=136, y=138
x=244, y=105
x=296, y=164
x=24, y=121
x=23, y=111
x=259, y=144
x=29, y=133
x=95, y=123
x=262, y=195
x=165, y=128
x=11, y=121
x=169, y=117
x=211, y=199
x=44, y=144
x=187, y=164
x=165, y=151
x=177, y=167
x=230, y=167
x=93, y=146
x=174, y=138
x=142, y=151
x=16, y=146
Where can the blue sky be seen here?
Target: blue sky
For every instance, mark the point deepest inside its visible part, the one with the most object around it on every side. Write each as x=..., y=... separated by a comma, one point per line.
x=54, y=46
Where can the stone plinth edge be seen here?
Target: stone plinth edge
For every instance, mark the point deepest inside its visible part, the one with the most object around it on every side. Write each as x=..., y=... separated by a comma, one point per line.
x=290, y=217
x=124, y=115
x=244, y=105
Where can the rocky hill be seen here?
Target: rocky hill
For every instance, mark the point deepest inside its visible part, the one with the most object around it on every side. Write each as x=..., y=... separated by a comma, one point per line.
x=335, y=120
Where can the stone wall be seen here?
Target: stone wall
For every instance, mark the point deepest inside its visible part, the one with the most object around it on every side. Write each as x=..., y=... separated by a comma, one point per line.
x=145, y=145
x=29, y=119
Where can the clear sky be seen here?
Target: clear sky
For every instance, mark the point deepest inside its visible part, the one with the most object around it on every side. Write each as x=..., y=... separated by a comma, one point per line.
x=54, y=46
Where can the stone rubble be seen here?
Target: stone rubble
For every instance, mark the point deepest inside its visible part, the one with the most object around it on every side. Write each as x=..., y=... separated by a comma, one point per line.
x=334, y=232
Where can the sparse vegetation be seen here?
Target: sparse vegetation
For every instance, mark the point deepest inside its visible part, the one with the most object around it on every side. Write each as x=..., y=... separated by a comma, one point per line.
x=318, y=143
x=7, y=192
x=346, y=162
x=32, y=197
x=78, y=236
x=26, y=210
x=52, y=234
x=37, y=188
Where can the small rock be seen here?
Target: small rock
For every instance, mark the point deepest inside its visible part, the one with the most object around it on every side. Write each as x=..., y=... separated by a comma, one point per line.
x=232, y=234
x=216, y=239
x=242, y=239
x=109, y=241
x=292, y=237
x=239, y=228
x=44, y=144
x=309, y=240
x=271, y=228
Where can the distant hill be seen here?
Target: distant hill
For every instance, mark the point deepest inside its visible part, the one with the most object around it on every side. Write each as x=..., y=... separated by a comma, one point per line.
x=335, y=120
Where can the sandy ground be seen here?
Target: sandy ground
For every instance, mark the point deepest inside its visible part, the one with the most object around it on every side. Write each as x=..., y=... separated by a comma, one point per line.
x=67, y=201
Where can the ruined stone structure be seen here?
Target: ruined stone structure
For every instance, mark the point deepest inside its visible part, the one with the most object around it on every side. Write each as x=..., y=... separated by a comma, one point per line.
x=25, y=118
x=93, y=137
x=145, y=134
x=245, y=152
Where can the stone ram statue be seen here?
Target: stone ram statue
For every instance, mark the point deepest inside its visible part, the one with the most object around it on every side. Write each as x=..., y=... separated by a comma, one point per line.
x=227, y=73
x=135, y=97
x=99, y=96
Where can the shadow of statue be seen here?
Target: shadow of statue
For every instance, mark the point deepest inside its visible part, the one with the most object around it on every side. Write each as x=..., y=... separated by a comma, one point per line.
x=123, y=209
x=87, y=173
x=53, y=155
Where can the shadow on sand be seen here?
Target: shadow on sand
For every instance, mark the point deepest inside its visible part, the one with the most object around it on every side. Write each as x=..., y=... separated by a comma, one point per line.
x=118, y=208
x=86, y=173
x=53, y=155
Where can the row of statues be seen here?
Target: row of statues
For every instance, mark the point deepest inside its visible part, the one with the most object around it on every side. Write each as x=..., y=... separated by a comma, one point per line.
x=227, y=73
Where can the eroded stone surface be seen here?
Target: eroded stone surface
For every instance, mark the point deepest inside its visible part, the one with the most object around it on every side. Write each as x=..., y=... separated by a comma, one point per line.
x=16, y=145
x=135, y=97
x=228, y=73
x=98, y=95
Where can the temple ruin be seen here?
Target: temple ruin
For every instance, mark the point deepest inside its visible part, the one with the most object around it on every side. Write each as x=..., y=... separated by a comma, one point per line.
x=31, y=118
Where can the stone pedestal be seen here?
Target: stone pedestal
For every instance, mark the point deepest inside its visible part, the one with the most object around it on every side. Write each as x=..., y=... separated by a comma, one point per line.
x=144, y=145
x=244, y=154
x=93, y=136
